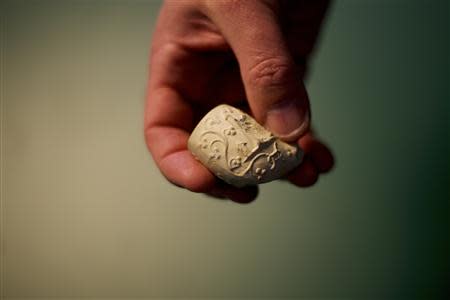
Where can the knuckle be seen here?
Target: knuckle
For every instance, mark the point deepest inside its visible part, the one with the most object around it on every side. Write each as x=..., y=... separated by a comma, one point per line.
x=170, y=49
x=270, y=72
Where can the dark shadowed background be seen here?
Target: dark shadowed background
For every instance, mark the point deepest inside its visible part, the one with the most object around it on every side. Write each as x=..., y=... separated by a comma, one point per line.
x=85, y=212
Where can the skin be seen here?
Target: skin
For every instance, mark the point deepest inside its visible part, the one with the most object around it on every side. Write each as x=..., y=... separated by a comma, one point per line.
x=251, y=54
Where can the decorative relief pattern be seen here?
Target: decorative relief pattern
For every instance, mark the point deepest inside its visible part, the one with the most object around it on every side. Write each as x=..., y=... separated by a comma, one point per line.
x=239, y=150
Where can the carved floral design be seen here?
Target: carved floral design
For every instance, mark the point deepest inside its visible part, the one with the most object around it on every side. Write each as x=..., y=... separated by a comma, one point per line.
x=242, y=149
x=232, y=144
x=215, y=154
x=235, y=162
x=204, y=144
x=230, y=131
x=244, y=122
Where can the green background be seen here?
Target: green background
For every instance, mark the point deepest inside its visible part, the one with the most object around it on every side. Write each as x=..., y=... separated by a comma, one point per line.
x=85, y=212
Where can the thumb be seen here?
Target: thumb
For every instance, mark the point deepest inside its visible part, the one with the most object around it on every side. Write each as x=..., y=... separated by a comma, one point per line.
x=274, y=89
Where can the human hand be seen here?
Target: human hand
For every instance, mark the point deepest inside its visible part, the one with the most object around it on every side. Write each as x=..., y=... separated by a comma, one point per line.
x=251, y=54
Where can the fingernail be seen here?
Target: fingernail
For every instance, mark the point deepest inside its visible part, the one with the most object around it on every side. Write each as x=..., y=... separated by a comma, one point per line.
x=288, y=120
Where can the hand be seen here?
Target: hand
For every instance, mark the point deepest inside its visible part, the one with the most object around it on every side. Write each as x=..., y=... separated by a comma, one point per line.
x=249, y=53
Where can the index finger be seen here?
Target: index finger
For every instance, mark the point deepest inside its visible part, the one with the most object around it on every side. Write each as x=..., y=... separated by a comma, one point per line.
x=168, y=119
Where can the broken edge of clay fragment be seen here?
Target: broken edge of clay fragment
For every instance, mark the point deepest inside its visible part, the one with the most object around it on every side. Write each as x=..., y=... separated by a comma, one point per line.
x=238, y=150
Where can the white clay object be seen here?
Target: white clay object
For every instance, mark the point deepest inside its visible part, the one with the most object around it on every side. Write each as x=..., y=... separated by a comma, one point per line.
x=233, y=146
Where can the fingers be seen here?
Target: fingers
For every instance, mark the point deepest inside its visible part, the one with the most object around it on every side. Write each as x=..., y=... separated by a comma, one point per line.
x=319, y=153
x=317, y=159
x=168, y=119
x=271, y=80
x=275, y=92
x=305, y=175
